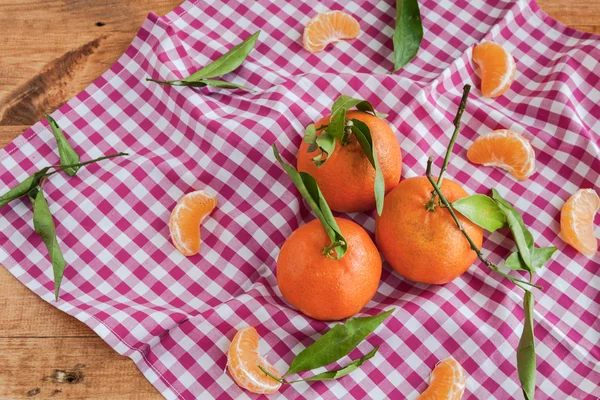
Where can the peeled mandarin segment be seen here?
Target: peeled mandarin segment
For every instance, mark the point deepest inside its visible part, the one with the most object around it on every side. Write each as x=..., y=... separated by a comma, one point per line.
x=243, y=360
x=577, y=221
x=328, y=28
x=448, y=381
x=497, y=68
x=186, y=218
x=504, y=149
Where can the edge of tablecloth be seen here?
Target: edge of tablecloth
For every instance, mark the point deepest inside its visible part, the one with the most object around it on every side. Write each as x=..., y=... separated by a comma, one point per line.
x=152, y=21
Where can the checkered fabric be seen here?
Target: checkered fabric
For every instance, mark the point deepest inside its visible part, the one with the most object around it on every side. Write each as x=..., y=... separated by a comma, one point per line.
x=175, y=316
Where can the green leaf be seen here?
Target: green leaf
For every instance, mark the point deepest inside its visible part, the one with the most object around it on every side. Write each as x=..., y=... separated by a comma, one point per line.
x=310, y=134
x=482, y=211
x=346, y=102
x=521, y=234
x=66, y=152
x=338, y=342
x=338, y=373
x=227, y=62
x=363, y=135
x=326, y=143
x=540, y=256
x=308, y=188
x=526, y=350
x=23, y=188
x=337, y=123
x=44, y=226
x=408, y=32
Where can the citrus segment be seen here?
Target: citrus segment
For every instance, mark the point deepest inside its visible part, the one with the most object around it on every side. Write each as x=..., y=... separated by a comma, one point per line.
x=577, y=221
x=329, y=27
x=186, y=217
x=447, y=382
x=497, y=68
x=243, y=360
x=504, y=149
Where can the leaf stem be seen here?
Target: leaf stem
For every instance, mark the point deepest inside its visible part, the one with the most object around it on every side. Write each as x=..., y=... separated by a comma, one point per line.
x=280, y=380
x=167, y=83
x=430, y=206
x=487, y=263
x=63, y=167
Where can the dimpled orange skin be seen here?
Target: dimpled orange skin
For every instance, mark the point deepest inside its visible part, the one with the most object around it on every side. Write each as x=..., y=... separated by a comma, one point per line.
x=323, y=288
x=421, y=245
x=346, y=179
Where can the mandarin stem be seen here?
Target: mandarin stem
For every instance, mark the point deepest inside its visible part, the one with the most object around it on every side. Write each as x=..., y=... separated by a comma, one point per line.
x=62, y=167
x=474, y=247
x=430, y=206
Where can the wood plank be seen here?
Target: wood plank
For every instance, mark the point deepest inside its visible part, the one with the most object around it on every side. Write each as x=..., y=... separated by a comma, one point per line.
x=582, y=14
x=81, y=39
x=69, y=368
x=26, y=315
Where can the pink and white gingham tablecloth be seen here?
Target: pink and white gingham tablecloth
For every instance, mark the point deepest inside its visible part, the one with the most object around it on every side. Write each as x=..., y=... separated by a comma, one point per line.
x=175, y=316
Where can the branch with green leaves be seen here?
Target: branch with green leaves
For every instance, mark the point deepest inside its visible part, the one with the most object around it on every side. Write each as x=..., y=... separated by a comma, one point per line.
x=221, y=66
x=33, y=188
x=309, y=189
x=338, y=342
x=492, y=213
x=340, y=128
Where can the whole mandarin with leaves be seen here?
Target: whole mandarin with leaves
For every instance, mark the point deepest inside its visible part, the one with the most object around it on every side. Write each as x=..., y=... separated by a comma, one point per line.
x=325, y=288
x=347, y=178
x=420, y=244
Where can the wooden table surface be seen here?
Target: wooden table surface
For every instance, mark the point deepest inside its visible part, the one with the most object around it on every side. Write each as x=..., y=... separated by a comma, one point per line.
x=51, y=50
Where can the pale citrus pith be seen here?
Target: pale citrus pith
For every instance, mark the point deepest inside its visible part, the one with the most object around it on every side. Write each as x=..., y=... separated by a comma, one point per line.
x=329, y=27
x=448, y=381
x=577, y=221
x=497, y=68
x=186, y=218
x=504, y=149
x=243, y=360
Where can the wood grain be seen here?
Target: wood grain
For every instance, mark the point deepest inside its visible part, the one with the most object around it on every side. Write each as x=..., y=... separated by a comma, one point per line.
x=50, y=51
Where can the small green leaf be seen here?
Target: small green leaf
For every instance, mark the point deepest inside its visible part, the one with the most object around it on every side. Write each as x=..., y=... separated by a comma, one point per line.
x=482, y=211
x=338, y=373
x=523, y=238
x=44, y=226
x=326, y=143
x=526, y=350
x=408, y=32
x=221, y=66
x=310, y=134
x=67, y=154
x=308, y=188
x=338, y=342
x=363, y=135
x=540, y=256
x=337, y=124
x=227, y=62
x=346, y=102
x=23, y=188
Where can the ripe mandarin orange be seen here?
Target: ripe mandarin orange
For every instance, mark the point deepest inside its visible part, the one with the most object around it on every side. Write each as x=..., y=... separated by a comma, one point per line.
x=186, y=218
x=448, y=381
x=243, y=360
x=329, y=27
x=346, y=179
x=324, y=288
x=424, y=246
